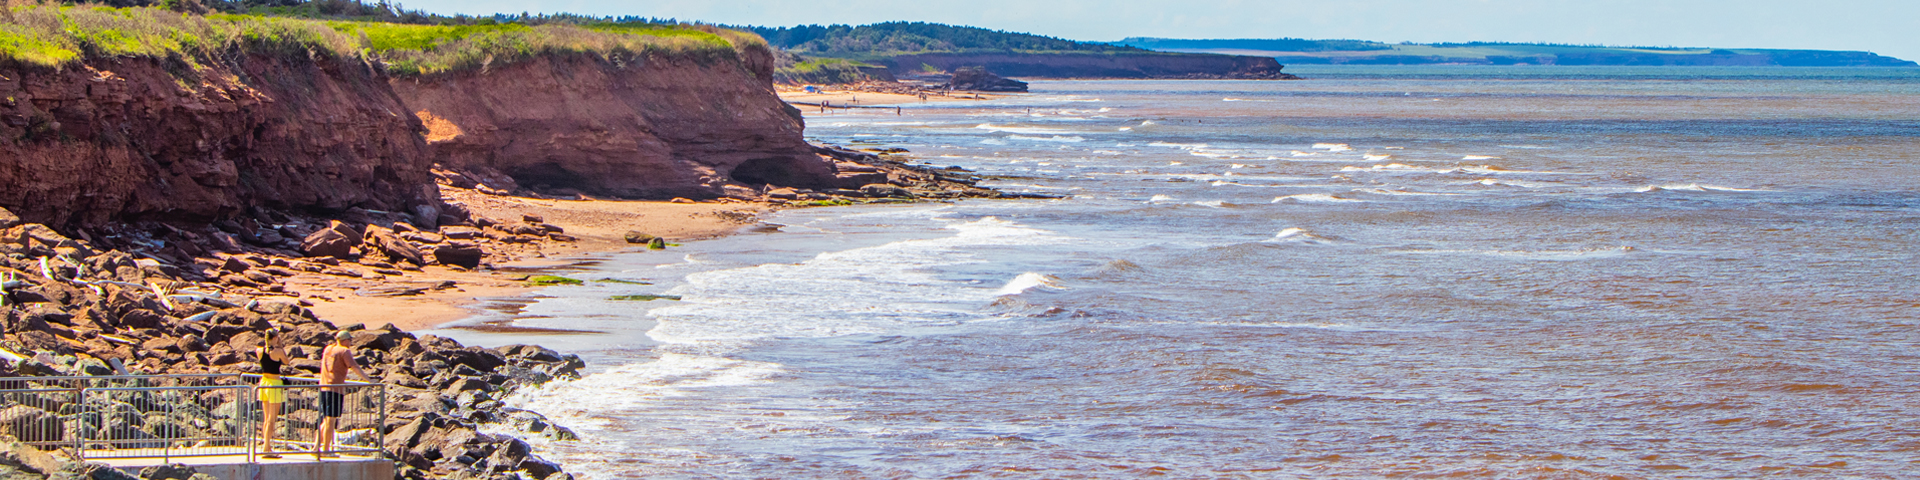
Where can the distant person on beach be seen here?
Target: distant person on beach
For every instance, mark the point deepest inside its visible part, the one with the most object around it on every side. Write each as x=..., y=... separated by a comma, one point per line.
x=272, y=356
x=335, y=361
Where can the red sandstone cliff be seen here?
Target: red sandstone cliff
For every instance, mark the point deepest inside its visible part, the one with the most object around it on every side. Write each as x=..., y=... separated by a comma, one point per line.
x=658, y=127
x=122, y=139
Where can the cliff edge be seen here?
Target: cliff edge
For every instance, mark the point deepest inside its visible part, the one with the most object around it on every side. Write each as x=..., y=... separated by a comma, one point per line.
x=125, y=139
x=658, y=126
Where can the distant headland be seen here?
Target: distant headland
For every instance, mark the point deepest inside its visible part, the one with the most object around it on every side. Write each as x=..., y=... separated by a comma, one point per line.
x=1297, y=51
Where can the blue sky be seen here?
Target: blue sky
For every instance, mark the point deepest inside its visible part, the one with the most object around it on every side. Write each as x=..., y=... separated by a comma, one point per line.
x=1887, y=27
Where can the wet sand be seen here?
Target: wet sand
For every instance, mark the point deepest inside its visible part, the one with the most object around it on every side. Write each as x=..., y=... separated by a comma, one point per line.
x=600, y=226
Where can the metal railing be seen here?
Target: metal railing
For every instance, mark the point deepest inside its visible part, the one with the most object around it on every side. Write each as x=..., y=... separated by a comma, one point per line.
x=168, y=416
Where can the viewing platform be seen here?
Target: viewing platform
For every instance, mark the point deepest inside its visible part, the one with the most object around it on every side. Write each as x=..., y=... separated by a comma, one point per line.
x=211, y=423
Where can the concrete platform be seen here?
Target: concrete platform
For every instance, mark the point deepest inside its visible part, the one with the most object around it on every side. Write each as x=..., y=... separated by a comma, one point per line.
x=289, y=467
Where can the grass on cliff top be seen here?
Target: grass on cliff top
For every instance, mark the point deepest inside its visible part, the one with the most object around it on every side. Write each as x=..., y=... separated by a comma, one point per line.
x=52, y=36
x=427, y=49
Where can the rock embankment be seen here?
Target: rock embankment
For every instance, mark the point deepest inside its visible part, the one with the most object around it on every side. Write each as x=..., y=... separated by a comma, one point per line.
x=72, y=308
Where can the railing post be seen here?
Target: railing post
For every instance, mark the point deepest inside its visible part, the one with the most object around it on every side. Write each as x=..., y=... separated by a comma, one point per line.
x=79, y=431
x=380, y=431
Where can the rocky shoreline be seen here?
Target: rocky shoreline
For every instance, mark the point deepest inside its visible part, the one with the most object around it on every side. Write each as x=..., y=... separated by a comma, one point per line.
x=159, y=298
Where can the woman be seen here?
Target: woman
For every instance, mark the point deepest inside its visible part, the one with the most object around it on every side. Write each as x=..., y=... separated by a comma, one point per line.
x=272, y=355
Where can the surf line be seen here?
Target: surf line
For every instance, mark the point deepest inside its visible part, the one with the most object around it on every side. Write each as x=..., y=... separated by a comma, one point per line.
x=824, y=105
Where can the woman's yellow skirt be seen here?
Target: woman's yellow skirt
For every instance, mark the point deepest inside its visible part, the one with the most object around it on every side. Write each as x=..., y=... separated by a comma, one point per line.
x=272, y=395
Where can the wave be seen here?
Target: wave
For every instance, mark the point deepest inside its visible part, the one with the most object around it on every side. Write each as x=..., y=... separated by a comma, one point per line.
x=1183, y=146
x=1160, y=199
x=1333, y=147
x=1394, y=167
x=881, y=290
x=1375, y=158
x=1055, y=138
x=1213, y=203
x=639, y=384
x=1542, y=255
x=1028, y=281
x=1694, y=187
x=1027, y=130
x=1297, y=235
x=1313, y=198
x=1478, y=157
x=1402, y=192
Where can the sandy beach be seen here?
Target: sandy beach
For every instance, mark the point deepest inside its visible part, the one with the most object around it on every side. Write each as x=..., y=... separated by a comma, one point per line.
x=600, y=226
x=803, y=99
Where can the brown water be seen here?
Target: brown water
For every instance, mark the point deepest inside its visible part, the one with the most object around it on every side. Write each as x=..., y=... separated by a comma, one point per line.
x=1413, y=272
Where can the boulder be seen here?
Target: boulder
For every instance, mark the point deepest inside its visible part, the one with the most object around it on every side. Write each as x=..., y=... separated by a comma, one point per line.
x=328, y=243
x=8, y=219
x=462, y=254
x=26, y=423
x=634, y=236
x=394, y=247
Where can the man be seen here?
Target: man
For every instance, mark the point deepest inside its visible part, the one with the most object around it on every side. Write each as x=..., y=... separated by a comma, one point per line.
x=335, y=361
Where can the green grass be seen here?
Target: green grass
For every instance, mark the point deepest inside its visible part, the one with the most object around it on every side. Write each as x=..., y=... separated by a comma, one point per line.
x=838, y=202
x=616, y=280
x=549, y=280
x=51, y=36
x=642, y=298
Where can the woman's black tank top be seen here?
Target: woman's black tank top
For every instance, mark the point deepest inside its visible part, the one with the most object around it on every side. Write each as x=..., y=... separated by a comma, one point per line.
x=268, y=365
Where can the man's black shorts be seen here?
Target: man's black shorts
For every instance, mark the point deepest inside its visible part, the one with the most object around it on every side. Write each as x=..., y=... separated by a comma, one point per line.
x=330, y=403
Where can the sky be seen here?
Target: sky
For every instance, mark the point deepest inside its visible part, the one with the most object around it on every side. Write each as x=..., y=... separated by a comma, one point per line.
x=1887, y=27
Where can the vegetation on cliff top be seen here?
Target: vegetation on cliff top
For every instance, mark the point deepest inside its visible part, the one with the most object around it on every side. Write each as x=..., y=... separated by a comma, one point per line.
x=54, y=36
x=867, y=42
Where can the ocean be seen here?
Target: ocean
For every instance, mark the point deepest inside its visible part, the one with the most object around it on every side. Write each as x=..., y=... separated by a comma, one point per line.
x=1524, y=272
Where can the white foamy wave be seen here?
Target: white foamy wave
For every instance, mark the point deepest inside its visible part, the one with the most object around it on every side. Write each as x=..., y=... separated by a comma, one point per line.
x=1160, y=199
x=1375, y=158
x=1333, y=147
x=1028, y=281
x=882, y=289
x=1183, y=146
x=1297, y=235
x=1026, y=130
x=1212, y=203
x=1488, y=182
x=1298, y=153
x=579, y=403
x=1313, y=198
x=1401, y=192
x=1694, y=187
x=1478, y=157
x=1393, y=167
x=1055, y=138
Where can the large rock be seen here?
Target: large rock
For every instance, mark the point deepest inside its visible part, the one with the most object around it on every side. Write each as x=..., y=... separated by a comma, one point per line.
x=30, y=424
x=980, y=80
x=328, y=243
x=396, y=249
x=459, y=253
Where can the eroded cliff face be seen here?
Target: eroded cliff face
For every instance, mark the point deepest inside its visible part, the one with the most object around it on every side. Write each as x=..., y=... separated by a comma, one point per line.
x=131, y=139
x=657, y=127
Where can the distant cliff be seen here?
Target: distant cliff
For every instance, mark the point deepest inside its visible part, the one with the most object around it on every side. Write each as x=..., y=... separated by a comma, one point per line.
x=1360, y=52
x=1098, y=65
x=913, y=46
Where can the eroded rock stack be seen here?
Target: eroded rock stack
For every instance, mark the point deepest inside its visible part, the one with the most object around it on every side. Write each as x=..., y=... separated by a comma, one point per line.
x=72, y=309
